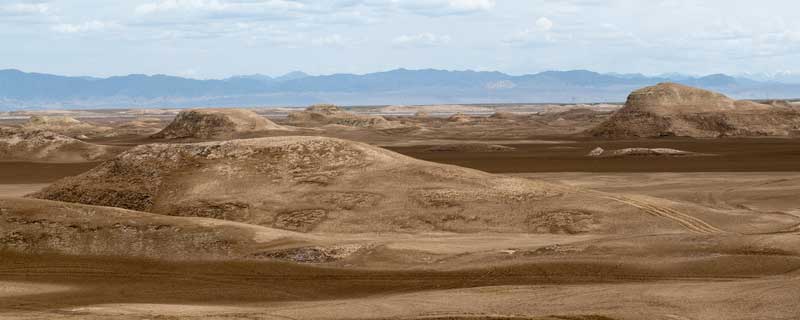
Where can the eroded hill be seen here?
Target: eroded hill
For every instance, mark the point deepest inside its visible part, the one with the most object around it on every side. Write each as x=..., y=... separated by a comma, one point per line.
x=46, y=146
x=215, y=123
x=670, y=109
x=316, y=184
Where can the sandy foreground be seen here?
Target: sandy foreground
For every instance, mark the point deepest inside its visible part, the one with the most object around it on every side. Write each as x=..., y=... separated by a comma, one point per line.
x=72, y=288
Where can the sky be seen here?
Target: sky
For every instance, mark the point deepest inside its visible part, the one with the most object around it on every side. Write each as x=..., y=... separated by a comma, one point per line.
x=220, y=38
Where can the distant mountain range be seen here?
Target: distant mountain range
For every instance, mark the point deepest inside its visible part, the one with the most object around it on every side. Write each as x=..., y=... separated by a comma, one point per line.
x=20, y=90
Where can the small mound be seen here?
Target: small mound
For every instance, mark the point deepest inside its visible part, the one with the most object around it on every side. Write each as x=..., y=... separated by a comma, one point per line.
x=670, y=109
x=324, y=108
x=317, y=184
x=45, y=227
x=470, y=147
x=504, y=115
x=326, y=114
x=596, y=152
x=422, y=114
x=45, y=146
x=63, y=125
x=642, y=152
x=459, y=118
x=575, y=114
x=780, y=103
x=215, y=123
x=52, y=121
x=141, y=126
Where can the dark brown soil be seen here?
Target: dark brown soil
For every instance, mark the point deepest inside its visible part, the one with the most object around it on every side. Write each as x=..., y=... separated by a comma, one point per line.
x=732, y=155
x=106, y=280
x=32, y=172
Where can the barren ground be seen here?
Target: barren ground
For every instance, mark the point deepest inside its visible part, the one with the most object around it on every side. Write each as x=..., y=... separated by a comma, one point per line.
x=733, y=251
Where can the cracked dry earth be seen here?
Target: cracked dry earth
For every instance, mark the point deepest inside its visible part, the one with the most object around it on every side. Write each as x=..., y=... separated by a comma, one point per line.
x=325, y=228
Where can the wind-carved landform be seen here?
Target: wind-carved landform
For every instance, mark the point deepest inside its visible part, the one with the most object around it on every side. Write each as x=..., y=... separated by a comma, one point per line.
x=680, y=204
x=215, y=123
x=670, y=109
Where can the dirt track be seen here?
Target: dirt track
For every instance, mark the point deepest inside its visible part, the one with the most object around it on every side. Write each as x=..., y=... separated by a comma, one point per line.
x=691, y=223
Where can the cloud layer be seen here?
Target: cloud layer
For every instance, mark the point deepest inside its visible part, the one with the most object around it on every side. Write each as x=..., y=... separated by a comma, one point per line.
x=216, y=38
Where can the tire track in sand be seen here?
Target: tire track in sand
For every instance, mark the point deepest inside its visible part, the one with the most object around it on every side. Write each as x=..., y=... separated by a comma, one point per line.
x=689, y=222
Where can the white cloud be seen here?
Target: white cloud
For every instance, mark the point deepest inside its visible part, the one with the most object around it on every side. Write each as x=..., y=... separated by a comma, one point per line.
x=219, y=8
x=444, y=7
x=541, y=34
x=530, y=37
x=472, y=5
x=90, y=26
x=23, y=9
x=425, y=39
x=620, y=35
x=544, y=23
x=330, y=41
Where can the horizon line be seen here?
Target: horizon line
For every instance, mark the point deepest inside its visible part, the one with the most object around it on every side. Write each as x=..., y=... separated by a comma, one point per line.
x=665, y=75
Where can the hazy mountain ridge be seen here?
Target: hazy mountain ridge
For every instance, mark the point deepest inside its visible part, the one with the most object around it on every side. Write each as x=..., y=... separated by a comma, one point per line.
x=20, y=90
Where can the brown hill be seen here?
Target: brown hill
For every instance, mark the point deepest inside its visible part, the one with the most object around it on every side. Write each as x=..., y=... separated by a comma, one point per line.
x=316, y=184
x=215, y=123
x=45, y=146
x=670, y=109
x=327, y=114
x=64, y=125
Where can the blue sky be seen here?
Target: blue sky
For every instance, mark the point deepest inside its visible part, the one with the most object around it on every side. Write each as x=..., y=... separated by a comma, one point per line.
x=219, y=38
